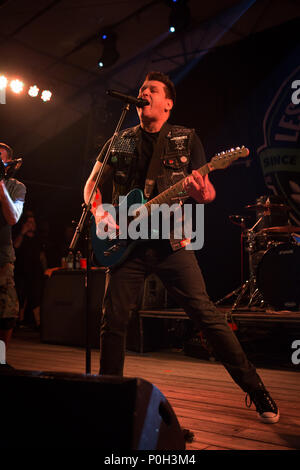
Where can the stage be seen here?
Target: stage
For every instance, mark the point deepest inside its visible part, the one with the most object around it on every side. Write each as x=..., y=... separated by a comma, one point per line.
x=203, y=396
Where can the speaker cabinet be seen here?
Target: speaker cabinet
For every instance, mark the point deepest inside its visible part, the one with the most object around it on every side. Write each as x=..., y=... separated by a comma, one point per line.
x=63, y=309
x=57, y=410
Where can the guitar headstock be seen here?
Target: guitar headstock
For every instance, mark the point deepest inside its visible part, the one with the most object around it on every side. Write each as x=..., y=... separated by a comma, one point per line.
x=224, y=159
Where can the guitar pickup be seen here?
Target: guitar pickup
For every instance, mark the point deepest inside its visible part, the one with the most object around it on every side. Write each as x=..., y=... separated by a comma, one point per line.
x=115, y=247
x=112, y=249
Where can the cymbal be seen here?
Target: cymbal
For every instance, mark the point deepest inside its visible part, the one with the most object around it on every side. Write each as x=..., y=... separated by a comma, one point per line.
x=268, y=206
x=283, y=229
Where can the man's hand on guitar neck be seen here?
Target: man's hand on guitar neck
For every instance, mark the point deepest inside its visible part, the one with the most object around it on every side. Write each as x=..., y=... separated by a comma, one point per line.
x=199, y=188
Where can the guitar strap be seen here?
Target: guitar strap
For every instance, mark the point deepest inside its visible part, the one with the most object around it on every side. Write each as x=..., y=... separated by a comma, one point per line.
x=154, y=166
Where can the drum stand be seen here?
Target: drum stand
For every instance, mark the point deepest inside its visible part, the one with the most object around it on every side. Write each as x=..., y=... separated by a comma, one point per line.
x=248, y=289
x=262, y=251
x=242, y=292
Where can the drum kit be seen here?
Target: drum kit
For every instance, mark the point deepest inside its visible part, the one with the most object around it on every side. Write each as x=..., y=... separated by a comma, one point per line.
x=273, y=247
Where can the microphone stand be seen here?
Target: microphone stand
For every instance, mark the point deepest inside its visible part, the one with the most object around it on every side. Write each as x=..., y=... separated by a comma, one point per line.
x=84, y=224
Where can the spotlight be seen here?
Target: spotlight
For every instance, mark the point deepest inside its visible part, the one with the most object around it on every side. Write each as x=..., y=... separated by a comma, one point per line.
x=46, y=95
x=110, y=55
x=33, y=91
x=3, y=82
x=179, y=18
x=16, y=86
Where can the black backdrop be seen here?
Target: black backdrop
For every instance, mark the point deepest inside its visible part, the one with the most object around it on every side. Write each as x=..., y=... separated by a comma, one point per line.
x=225, y=97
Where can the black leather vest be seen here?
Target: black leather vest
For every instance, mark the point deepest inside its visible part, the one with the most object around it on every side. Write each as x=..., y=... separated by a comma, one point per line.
x=175, y=162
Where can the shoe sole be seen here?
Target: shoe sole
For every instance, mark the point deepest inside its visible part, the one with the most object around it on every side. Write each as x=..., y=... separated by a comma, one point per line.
x=270, y=419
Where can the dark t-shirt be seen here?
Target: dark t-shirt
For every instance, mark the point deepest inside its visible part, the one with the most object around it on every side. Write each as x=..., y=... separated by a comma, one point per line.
x=149, y=140
x=17, y=192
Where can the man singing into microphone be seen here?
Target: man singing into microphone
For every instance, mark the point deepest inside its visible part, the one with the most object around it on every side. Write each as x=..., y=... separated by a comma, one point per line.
x=177, y=152
x=12, y=196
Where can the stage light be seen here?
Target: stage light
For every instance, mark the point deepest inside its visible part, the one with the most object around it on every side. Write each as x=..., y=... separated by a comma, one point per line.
x=110, y=55
x=3, y=82
x=33, y=91
x=16, y=86
x=179, y=18
x=46, y=95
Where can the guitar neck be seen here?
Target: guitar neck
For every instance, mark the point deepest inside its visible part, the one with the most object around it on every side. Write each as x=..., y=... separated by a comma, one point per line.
x=171, y=195
x=219, y=161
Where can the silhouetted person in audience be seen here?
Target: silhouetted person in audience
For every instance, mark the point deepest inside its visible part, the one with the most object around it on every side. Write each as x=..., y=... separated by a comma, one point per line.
x=30, y=265
x=12, y=196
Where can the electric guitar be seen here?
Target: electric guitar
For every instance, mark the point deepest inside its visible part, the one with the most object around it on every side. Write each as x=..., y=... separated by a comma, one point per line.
x=112, y=251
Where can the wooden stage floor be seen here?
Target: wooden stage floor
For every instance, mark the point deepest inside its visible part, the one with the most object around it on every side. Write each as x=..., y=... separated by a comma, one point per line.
x=202, y=394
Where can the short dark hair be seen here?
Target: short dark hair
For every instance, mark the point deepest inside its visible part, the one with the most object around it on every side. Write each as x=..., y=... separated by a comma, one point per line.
x=7, y=148
x=169, y=85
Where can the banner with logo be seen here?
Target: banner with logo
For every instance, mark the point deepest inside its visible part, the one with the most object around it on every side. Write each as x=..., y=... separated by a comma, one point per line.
x=280, y=153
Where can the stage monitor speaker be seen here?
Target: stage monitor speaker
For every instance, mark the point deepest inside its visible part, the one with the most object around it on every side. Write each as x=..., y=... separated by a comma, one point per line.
x=58, y=410
x=63, y=309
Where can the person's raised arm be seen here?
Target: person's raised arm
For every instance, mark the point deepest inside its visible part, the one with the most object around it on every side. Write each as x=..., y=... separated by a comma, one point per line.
x=12, y=210
x=103, y=219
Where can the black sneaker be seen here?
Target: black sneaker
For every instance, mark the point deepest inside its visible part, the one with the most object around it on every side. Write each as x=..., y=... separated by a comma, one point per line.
x=265, y=405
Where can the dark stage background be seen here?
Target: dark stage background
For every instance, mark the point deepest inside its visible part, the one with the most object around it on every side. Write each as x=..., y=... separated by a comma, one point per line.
x=225, y=97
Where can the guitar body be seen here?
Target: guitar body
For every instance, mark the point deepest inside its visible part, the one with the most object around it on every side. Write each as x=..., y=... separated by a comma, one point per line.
x=111, y=252
x=108, y=252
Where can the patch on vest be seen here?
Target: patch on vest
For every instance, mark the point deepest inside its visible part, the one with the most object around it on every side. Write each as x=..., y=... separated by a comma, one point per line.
x=178, y=143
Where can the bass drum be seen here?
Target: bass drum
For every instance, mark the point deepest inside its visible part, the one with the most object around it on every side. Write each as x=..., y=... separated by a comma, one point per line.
x=278, y=276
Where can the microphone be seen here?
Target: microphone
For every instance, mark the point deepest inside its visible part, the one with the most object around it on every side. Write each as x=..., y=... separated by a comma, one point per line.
x=16, y=161
x=138, y=102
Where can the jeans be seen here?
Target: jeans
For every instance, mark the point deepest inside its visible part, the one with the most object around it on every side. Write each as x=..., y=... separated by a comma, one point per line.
x=181, y=275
